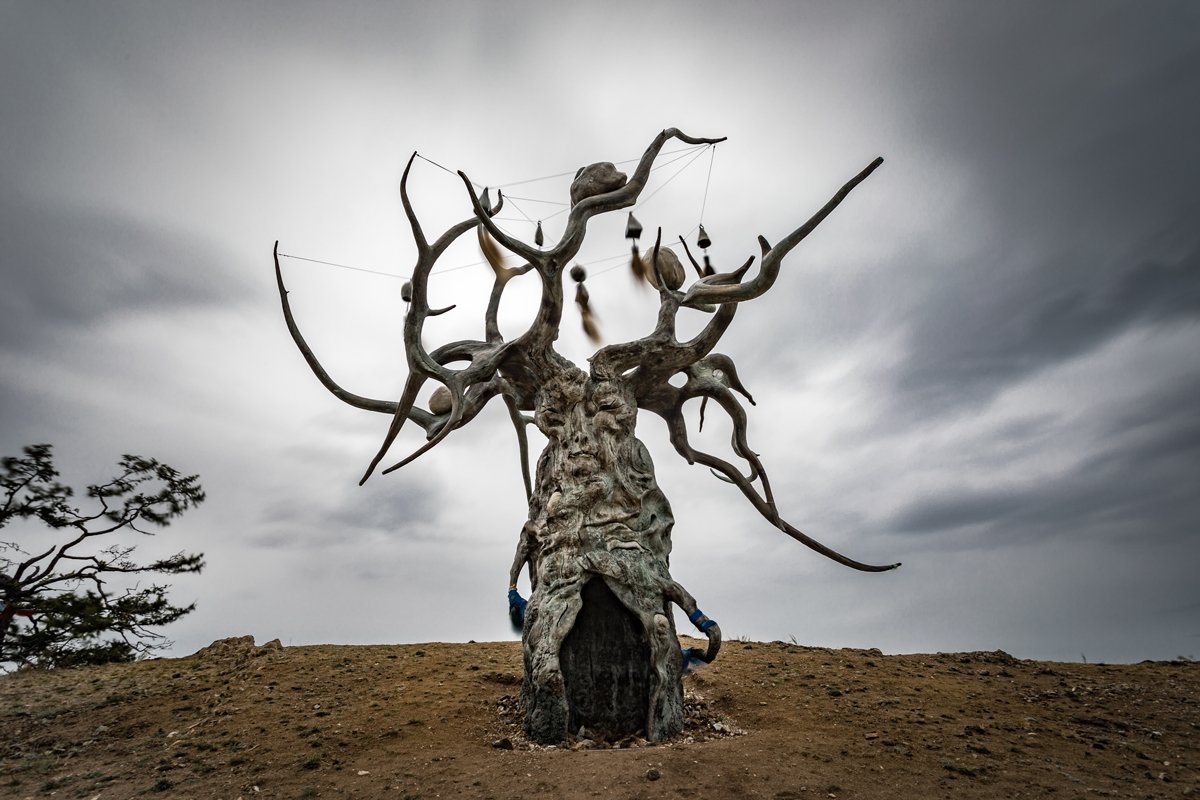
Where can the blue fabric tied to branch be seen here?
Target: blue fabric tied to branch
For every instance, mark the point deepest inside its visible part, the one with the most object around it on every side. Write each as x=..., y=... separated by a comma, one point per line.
x=692, y=656
x=516, y=610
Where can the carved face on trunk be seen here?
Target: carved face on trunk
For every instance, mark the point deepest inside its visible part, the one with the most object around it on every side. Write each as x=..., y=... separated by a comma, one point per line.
x=588, y=422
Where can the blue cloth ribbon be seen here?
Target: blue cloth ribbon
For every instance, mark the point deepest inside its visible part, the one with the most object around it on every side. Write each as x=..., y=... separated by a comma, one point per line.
x=516, y=610
x=691, y=655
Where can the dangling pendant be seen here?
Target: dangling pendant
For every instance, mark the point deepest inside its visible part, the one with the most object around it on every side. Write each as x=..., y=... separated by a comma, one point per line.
x=633, y=228
x=538, y=238
x=637, y=266
x=578, y=274
x=702, y=241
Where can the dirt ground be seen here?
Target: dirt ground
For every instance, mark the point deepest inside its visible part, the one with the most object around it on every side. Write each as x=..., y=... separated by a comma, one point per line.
x=770, y=720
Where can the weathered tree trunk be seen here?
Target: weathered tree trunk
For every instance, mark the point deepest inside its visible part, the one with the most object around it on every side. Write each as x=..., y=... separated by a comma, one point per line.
x=600, y=647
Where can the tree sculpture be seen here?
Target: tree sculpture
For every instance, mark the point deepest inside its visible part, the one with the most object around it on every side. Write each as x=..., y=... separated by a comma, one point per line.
x=600, y=647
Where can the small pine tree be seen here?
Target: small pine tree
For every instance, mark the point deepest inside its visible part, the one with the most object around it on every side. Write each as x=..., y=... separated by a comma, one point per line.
x=56, y=605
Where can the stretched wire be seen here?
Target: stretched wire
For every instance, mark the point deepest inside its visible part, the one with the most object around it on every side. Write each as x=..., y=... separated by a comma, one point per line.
x=343, y=266
x=707, y=181
x=622, y=257
x=447, y=169
x=684, y=150
x=642, y=202
x=694, y=151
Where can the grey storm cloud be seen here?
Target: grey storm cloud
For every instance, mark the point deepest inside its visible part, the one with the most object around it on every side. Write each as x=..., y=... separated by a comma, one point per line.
x=1082, y=139
x=989, y=346
x=1130, y=485
x=76, y=268
x=405, y=510
x=987, y=336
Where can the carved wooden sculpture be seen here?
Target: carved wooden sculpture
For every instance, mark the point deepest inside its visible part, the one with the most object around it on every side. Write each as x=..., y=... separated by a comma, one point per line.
x=599, y=639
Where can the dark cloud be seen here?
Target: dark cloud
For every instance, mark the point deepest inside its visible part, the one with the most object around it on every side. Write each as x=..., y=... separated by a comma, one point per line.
x=70, y=268
x=1058, y=112
x=1129, y=487
x=1037, y=206
x=1078, y=137
x=341, y=516
x=999, y=330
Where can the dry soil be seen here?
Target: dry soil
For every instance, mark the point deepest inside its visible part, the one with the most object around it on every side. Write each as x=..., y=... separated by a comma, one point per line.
x=772, y=720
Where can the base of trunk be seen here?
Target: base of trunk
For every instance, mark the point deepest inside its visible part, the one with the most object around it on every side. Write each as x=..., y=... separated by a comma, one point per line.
x=606, y=667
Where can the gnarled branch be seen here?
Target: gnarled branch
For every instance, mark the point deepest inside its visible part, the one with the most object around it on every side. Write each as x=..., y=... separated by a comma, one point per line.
x=716, y=289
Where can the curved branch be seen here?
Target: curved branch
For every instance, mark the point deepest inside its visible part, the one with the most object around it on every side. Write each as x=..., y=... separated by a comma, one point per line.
x=678, y=436
x=519, y=422
x=707, y=293
x=655, y=358
x=414, y=223
x=421, y=364
x=622, y=197
x=523, y=250
x=722, y=362
x=358, y=401
x=706, y=386
x=503, y=274
x=452, y=422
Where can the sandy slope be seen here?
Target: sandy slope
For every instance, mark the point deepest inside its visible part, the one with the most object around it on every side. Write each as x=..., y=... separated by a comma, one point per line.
x=437, y=720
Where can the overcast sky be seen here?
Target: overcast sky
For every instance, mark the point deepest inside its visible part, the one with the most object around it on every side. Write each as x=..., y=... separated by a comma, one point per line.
x=984, y=364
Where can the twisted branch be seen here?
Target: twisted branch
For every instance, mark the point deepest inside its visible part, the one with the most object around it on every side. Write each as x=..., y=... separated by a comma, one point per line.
x=709, y=290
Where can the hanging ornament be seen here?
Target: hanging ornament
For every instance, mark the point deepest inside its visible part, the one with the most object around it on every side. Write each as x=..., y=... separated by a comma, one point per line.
x=538, y=238
x=406, y=292
x=578, y=274
x=637, y=266
x=633, y=228
x=702, y=241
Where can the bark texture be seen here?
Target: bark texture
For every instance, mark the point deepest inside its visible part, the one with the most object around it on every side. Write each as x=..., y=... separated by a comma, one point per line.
x=599, y=642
